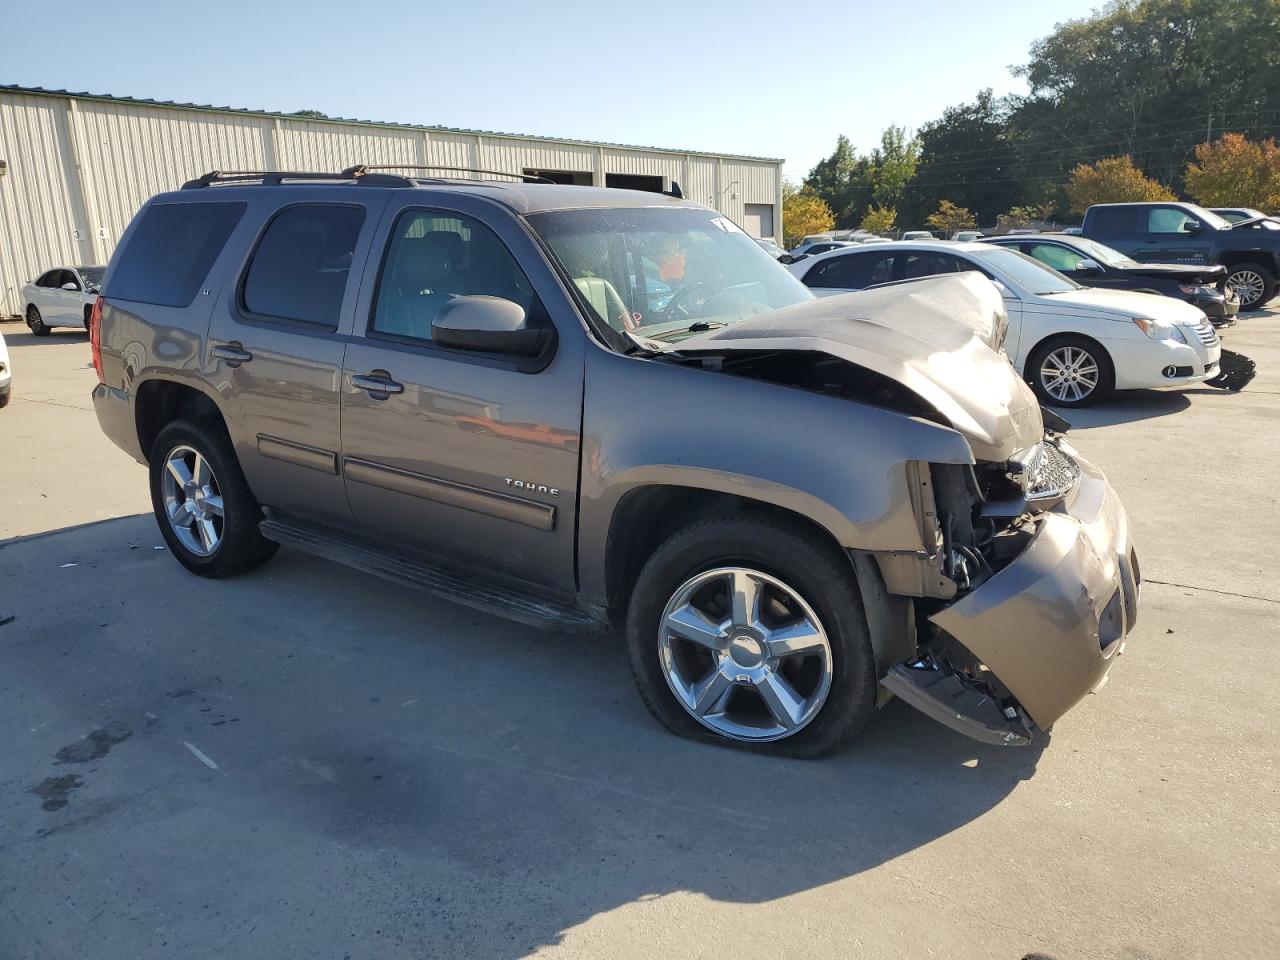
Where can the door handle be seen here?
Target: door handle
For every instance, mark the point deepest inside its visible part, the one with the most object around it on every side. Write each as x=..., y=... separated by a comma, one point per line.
x=378, y=383
x=233, y=353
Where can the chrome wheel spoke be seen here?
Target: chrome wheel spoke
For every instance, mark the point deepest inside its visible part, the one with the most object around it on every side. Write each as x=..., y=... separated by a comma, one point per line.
x=745, y=592
x=786, y=706
x=690, y=624
x=200, y=471
x=796, y=639
x=213, y=503
x=711, y=694
x=180, y=513
x=192, y=500
x=208, y=536
x=179, y=470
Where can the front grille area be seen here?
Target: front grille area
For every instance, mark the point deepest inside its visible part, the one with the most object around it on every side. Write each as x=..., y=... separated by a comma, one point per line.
x=1206, y=333
x=1049, y=472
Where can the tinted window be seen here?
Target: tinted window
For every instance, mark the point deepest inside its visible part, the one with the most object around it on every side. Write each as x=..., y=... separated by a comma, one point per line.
x=171, y=251
x=434, y=257
x=48, y=279
x=1113, y=221
x=854, y=271
x=67, y=276
x=299, y=269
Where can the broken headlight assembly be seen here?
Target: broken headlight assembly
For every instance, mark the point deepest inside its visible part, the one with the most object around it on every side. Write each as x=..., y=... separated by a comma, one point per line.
x=1043, y=473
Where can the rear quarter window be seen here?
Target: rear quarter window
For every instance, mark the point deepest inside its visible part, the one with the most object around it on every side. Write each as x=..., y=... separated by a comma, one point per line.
x=171, y=251
x=1114, y=221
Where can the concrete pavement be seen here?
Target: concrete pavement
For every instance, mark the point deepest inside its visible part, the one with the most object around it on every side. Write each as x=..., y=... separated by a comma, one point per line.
x=309, y=762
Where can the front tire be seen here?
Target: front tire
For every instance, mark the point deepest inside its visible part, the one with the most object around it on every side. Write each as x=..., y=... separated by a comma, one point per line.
x=1070, y=371
x=1253, y=283
x=747, y=629
x=206, y=512
x=36, y=322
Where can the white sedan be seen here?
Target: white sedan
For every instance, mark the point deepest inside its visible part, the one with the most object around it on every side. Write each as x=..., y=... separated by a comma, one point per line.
x=6, y=373
x=1073, y=344
x=61, y=297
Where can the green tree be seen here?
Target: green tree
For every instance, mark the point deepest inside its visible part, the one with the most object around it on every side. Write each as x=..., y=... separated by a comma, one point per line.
x=1025, y=215
x=1235, y=172
x=949, y=218
x=803, y=213
x=840, y=181
x=879, y=220
x=1113, y=180
x=310, y=114
x=892, y=165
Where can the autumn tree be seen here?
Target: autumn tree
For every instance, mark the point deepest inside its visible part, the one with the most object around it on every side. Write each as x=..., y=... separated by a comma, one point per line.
x=1235, y=172
x=949, y=218
x=1112, y=180
x=879, y=220
x=1025, y=215
x=804, y=213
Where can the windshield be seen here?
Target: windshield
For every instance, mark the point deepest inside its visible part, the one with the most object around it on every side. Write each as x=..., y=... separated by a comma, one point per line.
x=1031, y=275
x=1102, y=253
x=1207, y=217
x=666, y=273
x=92, y=277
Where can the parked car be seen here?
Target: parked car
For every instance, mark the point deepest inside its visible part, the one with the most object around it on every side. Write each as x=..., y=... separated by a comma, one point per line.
x=965, y=236
x=1074, y=345
x=886, y=507
x=6, y=373
x=1093, y=264
x=815, y=247
x=1235, y=215
x=61, y=297
x=918, y=235
x=1072, y=231
x=1186, y=233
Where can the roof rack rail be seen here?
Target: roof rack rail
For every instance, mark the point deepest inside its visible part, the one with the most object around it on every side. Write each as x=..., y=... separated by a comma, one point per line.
x=276, y=177
x=362, y=170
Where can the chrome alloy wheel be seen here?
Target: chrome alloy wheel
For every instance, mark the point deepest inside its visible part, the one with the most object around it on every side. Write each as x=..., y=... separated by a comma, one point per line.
x=193, y=500
x=1069, y=374
x=744, y=654
x=1248, y=286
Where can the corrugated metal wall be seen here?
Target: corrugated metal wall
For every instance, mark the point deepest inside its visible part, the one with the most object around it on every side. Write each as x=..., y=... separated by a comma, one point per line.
x=78, y=169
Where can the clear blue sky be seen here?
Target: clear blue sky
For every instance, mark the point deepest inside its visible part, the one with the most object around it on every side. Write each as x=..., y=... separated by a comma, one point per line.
x=762, y=78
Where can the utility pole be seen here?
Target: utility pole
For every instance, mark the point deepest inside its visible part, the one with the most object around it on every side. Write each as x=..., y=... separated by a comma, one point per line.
x=1208, y=130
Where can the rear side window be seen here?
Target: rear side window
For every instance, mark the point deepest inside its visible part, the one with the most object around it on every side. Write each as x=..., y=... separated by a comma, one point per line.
x=171, y=251
x=299, y=269
x=1113, y=221
x=853, y=271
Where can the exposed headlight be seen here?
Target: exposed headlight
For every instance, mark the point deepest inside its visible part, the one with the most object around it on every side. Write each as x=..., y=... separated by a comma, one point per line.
x=1159, y=330
x=1044, y=472
x=1198, y=290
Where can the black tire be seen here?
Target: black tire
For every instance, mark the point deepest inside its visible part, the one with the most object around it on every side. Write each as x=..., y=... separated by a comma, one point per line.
x=1268, y=278
x=4, y=397
x=241, y=547
x=36, y=322
x=1106, y=371
x=806, y=562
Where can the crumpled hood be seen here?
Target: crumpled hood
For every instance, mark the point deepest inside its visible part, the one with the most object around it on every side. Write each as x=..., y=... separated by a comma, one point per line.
x=940, y=337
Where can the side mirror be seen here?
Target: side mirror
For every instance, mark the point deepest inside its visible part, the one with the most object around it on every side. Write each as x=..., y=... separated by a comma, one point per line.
x=488, y=324
x=1192, y=226
x=787, y=258
x=1088, y=267
x=69, y=285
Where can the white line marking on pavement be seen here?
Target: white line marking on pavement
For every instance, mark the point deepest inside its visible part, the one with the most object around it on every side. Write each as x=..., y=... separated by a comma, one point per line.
x=200, y=755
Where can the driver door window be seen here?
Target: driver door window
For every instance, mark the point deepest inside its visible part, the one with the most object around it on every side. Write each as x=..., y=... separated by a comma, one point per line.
x=1052, y=255
x=1168, y=220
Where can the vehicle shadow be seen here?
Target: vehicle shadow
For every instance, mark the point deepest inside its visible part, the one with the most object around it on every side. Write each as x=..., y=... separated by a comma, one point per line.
x=405, y=772
x=21, y=336
x=1130, y=405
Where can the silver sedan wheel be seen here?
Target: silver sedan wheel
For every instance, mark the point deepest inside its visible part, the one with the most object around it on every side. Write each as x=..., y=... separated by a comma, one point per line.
x=744, y=654
x=1069, y=374
x=1248, y=286
x=193, y=500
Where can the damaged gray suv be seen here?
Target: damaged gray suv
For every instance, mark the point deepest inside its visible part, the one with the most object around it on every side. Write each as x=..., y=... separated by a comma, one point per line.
x=591, y=409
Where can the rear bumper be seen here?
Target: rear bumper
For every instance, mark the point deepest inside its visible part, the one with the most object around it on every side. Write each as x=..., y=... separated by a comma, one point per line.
x=1051, y=623
x=115, y=416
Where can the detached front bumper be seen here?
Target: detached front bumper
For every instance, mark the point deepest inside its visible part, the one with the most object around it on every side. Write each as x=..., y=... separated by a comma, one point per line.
x=1050, y=624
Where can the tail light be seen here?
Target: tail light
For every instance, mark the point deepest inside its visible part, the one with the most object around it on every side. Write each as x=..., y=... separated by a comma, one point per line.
x=95, y=337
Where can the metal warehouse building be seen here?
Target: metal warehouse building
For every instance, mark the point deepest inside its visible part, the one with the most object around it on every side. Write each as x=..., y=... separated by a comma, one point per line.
x=75, y=167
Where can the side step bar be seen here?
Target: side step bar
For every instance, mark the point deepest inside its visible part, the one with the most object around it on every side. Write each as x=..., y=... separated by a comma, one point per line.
x=940, y=692
x=416, y=570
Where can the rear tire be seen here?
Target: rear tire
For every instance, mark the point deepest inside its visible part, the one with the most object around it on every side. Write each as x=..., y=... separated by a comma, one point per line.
x=36, y=322
x=206, y=512
x=1253, y=283
x=1052, y=365
x=828, y=692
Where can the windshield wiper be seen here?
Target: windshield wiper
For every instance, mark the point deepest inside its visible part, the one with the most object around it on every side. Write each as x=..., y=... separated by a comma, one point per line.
x=700, y=326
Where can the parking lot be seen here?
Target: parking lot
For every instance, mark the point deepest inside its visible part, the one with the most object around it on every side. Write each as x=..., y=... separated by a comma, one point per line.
x=311, y=762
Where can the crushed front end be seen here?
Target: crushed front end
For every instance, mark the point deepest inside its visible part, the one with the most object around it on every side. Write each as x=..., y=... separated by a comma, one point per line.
x=1026, y=595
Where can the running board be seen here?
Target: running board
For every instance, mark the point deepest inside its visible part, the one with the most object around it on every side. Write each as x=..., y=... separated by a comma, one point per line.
x=939, y=692
x=415, y=570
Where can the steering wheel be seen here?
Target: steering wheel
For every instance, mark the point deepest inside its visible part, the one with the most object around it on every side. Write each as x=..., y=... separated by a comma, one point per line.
x=685, y=312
